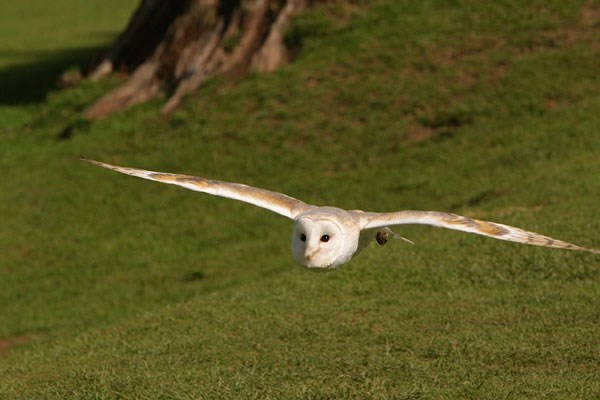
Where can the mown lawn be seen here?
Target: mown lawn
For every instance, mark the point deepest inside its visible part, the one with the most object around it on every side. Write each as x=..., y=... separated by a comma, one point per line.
x=117, y=288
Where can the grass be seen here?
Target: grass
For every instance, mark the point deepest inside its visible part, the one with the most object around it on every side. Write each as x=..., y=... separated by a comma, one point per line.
x=113, y=287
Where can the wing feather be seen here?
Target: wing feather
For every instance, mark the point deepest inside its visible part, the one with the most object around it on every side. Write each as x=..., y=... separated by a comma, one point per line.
x=276, y=202
x=465, y=224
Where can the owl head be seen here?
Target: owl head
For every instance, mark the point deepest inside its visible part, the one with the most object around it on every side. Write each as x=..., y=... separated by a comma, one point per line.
x=322, y=242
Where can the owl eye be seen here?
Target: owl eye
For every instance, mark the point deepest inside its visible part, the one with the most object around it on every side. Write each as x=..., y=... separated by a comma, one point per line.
x=325, y=238
x=303, y=237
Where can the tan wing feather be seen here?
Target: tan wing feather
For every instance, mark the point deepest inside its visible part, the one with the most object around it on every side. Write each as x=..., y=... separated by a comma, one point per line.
x=465, y=224
x=276, y=202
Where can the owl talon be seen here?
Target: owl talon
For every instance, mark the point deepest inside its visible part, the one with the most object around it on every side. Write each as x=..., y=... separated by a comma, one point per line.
x=383, y=235
x=381, y=238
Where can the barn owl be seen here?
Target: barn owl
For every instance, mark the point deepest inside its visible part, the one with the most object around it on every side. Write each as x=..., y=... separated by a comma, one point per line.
x=325, y=238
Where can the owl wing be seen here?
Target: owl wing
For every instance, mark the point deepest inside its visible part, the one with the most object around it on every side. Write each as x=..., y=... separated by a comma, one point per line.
x=276, y=202
x=370, y=220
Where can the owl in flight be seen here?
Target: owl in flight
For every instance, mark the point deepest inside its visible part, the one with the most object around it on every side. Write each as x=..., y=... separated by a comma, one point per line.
x=327, y=237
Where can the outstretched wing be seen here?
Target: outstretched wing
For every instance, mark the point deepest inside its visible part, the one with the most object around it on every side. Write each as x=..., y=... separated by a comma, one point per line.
x=276, y=202
x=452, y=221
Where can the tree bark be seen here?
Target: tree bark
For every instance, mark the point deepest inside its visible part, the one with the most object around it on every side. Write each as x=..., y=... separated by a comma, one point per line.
x=175, y=46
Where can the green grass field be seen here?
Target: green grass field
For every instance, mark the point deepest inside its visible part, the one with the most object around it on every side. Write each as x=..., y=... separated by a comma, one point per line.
x=116, y=288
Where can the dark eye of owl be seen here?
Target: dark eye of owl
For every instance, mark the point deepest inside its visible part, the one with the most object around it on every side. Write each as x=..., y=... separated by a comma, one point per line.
x=303, y=237
x=325, y=238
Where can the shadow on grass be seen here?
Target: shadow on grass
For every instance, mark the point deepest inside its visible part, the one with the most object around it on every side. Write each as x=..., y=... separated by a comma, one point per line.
x=30, y=81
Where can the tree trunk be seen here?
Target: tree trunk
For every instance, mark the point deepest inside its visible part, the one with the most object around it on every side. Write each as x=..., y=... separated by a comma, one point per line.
x=175, y=46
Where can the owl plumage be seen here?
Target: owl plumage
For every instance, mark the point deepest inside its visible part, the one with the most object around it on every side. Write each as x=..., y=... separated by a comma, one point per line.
x=328, y=237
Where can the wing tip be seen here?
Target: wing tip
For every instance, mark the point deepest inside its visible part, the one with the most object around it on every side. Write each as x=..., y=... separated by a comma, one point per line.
x=94, y=162
x=102, y=164
x=593, y=251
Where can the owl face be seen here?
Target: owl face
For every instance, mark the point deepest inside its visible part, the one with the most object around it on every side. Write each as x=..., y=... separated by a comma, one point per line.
x=319, y=243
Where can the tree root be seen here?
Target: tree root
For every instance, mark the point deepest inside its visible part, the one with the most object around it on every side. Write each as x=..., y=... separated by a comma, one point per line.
x=175, y=46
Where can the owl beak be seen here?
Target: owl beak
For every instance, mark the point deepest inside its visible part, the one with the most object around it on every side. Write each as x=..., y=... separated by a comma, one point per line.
x=309, y=255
